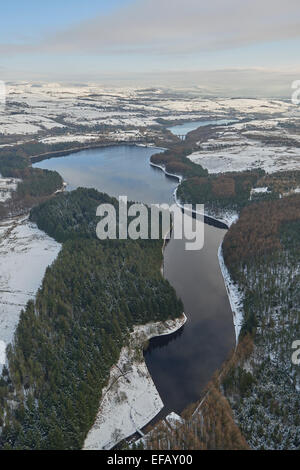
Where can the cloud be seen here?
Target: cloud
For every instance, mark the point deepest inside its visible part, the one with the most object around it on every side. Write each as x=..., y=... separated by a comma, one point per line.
x=231, y=82
x=174, y=27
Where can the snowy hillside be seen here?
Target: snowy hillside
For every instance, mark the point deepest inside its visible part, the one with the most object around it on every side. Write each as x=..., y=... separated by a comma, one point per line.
x=25, y=253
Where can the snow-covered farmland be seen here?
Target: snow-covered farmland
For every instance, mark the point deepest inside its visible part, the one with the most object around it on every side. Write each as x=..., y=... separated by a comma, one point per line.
x=25, y=124
x=256, y=144
x=219, y=106
x=82, y=138
x=47, y=110
x=240, y=158
x=25, y=253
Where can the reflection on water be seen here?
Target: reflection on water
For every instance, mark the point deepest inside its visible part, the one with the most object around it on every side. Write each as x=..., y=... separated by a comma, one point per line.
x=122, y=170
x=162, y=341
x=182, y=368
x=181, y=364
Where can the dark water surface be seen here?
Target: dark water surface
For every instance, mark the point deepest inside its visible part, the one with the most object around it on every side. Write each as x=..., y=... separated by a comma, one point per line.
x=118, y=171
x=183, y=363
x=181, y=368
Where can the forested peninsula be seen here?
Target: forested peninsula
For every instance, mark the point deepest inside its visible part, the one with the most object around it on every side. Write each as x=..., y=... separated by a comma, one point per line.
x=69, y=337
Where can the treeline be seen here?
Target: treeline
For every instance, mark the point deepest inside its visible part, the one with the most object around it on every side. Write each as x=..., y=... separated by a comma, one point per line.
x=208, y=424
x=175, y=161
x=257, y=233
x=225, y=191
x=26, y=150
x=36, y=184
x=263, y=235
x=11, y=164
x=71, y=215
x=262, y=252
x=282, y=182
x=70, y=336
x=233, y=190
x=213, y=428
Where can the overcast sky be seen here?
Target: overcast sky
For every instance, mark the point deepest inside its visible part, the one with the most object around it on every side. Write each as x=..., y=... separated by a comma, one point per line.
x=211, y=44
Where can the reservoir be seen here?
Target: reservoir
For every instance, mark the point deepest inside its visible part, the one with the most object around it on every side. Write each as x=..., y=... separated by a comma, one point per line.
x=180, y=364
x=185, y=128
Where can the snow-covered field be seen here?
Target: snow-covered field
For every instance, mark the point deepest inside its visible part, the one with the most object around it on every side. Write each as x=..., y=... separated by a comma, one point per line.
x=25, y=253
x=81, y=138
x=162, y=167
x=116, y=135
x=266, y=144
x=53, y=110
x=25, y=124
x=33, y=109
x=241, y=158
x=222, y=105
x=130, y=399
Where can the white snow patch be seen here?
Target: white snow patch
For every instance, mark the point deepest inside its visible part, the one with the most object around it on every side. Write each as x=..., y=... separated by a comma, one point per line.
x=70, y=138
x=2, y=353
x=250, y=156
x=7, y=186
x=25, y=253
x=263, y=190
x=235, y=296
x=173, y=420
x=259, y=190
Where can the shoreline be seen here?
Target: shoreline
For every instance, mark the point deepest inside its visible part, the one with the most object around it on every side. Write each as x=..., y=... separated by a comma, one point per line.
x=97, y=145
x=227, y=218
x=138, y=374
x=234, y=296
x=162, y=167
x=130, y=400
